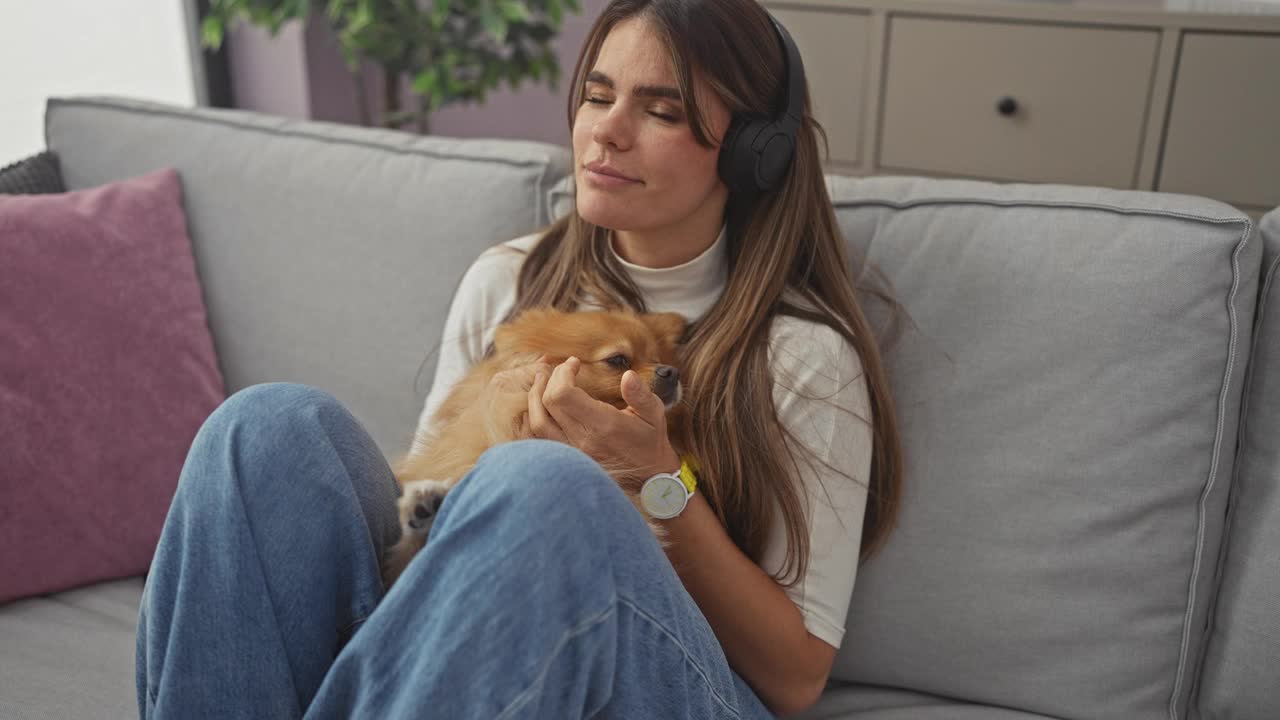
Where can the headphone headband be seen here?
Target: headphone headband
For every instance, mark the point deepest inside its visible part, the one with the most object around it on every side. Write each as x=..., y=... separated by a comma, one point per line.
x=795, y=76
x=757, y=150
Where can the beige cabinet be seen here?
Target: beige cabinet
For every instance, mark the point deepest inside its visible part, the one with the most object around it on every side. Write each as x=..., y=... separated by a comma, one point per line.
x=1133, y=94
x=1016, y=101
x=837, y=73
x=1224, y=123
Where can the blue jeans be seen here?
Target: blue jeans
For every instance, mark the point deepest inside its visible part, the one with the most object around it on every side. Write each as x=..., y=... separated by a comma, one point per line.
x=542, y=593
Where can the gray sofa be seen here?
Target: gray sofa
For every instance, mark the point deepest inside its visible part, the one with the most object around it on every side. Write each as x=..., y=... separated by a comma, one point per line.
x=1089, y=394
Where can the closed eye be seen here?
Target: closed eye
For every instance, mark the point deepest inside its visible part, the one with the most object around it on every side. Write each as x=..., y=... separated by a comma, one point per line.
x=619, y=361
x=661, y=116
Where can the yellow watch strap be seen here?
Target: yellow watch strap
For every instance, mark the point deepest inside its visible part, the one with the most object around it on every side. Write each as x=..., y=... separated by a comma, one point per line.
x=689, y=472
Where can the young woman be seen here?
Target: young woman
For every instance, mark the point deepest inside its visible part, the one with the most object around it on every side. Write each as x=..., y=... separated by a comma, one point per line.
x=542, y=592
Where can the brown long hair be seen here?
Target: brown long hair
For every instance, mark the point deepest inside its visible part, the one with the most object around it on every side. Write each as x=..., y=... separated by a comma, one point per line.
x=784, y=240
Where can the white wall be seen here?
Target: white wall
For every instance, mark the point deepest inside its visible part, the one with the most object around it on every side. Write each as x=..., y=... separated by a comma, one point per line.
x=138, y=48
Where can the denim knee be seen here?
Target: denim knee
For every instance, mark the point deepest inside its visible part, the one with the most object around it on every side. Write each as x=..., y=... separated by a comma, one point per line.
x=543, y=477
x=274, y=401
x=254, y=426
x=269, y=424
x=293, y=437
x=268, y=414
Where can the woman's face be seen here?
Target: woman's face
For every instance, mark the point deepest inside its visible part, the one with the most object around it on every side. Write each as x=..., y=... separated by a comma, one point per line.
x=632, y=123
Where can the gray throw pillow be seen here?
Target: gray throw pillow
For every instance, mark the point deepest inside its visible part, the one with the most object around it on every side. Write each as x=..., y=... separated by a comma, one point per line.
x=36, y=175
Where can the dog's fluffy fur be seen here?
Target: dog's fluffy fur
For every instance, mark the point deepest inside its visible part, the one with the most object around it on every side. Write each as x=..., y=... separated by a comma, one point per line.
x=607, y=342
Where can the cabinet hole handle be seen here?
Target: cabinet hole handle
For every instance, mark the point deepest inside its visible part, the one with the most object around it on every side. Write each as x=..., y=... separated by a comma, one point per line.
x=1006, y=106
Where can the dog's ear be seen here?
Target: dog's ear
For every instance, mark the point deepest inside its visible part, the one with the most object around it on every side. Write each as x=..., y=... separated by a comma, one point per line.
x=528, y=332
x=668, y=326
x=508, y=334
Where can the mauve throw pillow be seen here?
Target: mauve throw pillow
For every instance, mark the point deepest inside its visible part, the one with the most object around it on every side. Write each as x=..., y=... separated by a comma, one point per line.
x=107, y=370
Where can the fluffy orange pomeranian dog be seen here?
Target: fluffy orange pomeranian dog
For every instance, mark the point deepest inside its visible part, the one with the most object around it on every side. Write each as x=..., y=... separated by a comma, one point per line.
x=607, y=342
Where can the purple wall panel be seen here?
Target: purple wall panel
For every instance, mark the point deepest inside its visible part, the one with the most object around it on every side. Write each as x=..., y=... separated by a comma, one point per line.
x=301, y=73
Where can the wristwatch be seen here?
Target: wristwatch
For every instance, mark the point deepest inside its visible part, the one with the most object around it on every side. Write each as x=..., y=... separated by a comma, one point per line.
x=666, y=495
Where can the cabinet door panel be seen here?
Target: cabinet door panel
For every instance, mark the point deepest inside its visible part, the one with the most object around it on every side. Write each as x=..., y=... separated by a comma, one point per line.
x=1075, y=100
x=1223, y=139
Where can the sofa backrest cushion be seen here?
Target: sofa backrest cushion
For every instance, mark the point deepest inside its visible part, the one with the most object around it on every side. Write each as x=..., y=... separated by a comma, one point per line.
x=1068, y=398
x=1069, y=402
x=328, y=253
x=1240, y=678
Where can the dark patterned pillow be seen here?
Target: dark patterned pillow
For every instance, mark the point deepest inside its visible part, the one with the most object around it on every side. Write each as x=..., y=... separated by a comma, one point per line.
x=36, y=175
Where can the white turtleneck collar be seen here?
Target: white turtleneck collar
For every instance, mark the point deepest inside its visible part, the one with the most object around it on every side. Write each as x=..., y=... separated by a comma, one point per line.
x=690, y=288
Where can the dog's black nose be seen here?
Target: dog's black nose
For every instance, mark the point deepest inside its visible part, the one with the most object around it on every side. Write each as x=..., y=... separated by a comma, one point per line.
x=666, y=372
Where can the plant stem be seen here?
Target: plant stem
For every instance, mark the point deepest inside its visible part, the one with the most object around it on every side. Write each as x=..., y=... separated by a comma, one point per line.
x=390, y=95
x=424, y=108
x=362, y=96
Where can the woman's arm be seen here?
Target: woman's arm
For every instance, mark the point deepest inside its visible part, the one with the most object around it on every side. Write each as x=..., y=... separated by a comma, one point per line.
x=759, y=627
x=819, y=394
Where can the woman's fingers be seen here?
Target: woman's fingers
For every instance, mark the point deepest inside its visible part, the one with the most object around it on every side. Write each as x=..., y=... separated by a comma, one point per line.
x=519, y=379
x=541, y=424
x=569, y=405
x=557, y=408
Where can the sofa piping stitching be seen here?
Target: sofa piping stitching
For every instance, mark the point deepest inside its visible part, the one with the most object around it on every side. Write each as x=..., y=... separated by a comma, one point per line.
x=1039, y=203
x=293, y=131
x=540, y=196
x=922, y=202
x=1213, y=472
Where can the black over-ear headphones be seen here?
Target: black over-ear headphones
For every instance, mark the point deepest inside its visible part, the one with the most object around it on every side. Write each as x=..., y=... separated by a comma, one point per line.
x=757, y=150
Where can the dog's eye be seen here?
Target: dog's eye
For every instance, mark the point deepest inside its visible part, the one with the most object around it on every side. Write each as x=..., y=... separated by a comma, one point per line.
x=619, y=361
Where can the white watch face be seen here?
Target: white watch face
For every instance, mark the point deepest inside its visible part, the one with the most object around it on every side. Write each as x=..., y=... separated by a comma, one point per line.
x=664, y=496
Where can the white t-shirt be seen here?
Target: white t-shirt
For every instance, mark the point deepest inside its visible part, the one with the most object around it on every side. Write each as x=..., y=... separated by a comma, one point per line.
x=819, y=393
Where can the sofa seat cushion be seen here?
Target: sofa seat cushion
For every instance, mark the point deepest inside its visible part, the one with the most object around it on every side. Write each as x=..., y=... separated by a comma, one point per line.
x=847, y=701
x=70, y=655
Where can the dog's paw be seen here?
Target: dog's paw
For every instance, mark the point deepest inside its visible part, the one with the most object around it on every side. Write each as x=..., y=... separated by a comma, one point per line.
x=420, y=504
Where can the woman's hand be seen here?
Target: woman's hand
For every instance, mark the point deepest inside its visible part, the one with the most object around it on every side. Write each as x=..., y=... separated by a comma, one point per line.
x=632, y=443
x=507, y=389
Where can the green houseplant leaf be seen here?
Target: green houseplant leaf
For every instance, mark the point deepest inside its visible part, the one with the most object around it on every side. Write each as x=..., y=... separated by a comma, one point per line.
x=450, y=51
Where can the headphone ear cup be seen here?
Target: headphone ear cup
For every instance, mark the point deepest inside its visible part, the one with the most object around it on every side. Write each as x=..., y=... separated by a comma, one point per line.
x=758, y=150
x=773, y=150
x=738, y=160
